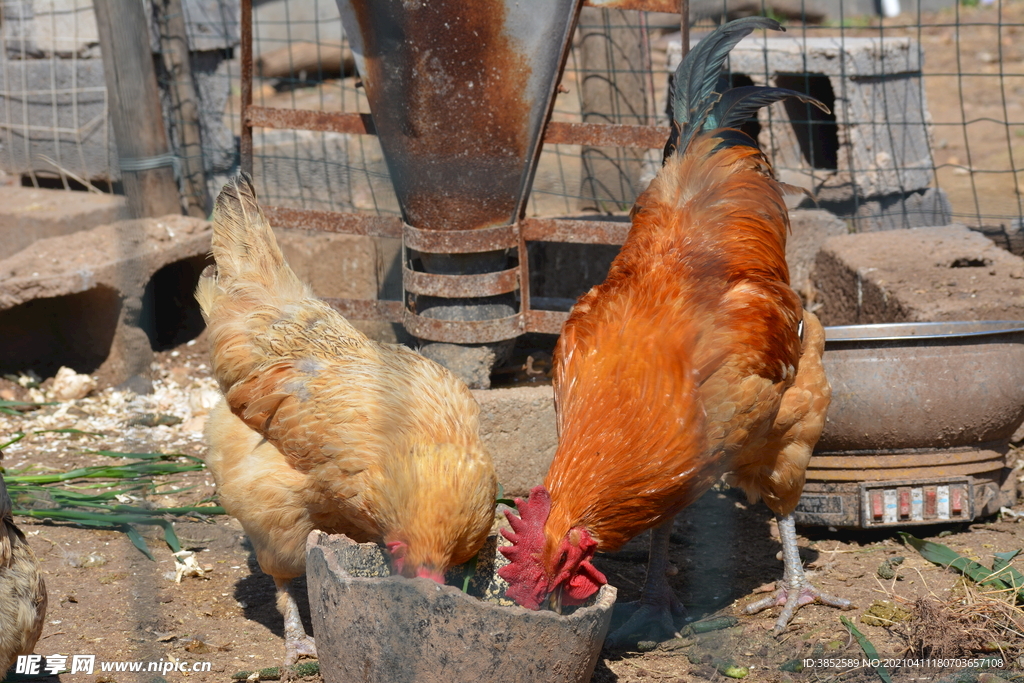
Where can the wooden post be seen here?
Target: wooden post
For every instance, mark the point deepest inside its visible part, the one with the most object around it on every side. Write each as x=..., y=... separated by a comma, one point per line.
x=245, y=142
x=684, y=25
x=147, y=170
x=185, y=103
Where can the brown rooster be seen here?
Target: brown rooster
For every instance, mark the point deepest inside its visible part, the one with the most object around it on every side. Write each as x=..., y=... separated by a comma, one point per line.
x=22, y=591
x=323, y=428
x=693, y=359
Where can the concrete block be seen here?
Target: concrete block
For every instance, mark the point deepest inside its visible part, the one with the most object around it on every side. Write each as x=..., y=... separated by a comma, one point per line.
x=28, y=214
x=809, y=230
x=517, y=425
x=339, y=266
x=100, y=300
x=876, y=141
x=918, y=275
x=43, y=28
x=62, y=28
x=67, y=127
x=922, y=208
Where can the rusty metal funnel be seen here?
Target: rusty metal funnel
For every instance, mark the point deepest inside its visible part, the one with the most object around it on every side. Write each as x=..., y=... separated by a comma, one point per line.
x=459, y=93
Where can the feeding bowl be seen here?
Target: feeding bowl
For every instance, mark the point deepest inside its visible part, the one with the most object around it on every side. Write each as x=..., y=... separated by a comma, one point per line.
x=919, y=426
x=388, y=629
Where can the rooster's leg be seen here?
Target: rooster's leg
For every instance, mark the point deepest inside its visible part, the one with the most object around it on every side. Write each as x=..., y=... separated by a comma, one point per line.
x=296, y=642
x=797, y=590
x=654, y=616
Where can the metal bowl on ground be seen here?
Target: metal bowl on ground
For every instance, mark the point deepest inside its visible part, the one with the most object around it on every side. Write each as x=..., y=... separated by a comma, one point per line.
x=377, y=628
x=919, y=427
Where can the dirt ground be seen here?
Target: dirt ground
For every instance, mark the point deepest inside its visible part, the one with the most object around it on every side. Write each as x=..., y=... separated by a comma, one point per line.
x=107, y=599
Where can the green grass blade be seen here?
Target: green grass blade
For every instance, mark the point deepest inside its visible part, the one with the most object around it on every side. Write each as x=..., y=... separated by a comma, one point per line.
x=16, y=439
x=138, y=541
x=470, y=573
x=947, y=557
x=1001, y=566
x=868, y=647
x=66, y=430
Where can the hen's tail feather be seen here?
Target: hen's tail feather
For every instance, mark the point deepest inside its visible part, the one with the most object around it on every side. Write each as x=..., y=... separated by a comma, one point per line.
x=245, y=248
x=242, y=239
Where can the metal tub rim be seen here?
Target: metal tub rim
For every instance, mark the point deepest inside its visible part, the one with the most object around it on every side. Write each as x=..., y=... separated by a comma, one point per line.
x=973, y=330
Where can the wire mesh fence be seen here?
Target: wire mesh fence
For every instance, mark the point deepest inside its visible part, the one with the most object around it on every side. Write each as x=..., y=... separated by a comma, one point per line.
x=927, y=122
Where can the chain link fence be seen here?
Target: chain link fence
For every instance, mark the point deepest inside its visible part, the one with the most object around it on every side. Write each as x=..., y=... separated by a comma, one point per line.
x=927, y=123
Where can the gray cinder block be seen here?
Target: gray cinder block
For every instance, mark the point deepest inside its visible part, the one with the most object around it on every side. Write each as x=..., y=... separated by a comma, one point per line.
x=873, y=85
x=929, y=274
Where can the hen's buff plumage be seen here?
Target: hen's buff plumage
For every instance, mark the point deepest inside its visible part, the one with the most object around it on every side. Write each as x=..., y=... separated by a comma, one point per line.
x=323, y=428
x=22, y=591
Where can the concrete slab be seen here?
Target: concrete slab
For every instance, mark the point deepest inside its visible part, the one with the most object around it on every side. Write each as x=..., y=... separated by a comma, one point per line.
x=517, y=425
x=809, y=230
x=100, y=300
x=28, y=214
x=918, y=275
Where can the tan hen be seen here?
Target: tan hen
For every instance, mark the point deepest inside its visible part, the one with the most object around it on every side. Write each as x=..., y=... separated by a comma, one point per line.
x=323, y=428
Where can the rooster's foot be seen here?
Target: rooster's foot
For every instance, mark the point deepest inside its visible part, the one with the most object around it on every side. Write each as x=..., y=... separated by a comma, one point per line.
x=646, y=622
x=797, y=589
x=793, y=596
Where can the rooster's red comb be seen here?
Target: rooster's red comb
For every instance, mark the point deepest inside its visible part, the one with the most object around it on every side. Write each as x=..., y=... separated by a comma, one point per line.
x=525, y=571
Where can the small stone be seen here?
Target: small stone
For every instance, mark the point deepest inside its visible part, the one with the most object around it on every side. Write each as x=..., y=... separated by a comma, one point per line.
x=68, y=385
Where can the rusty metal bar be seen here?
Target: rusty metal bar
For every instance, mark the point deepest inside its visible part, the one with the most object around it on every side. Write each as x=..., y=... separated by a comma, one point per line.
x=576, y=231
x=524, y=278
x=472, y=241
x=309, y=119
x=456, y=286
x=369, y=309
x=556, y=133
x=667, y=6
x=335, y=221
x=545, y=322
x=573, y=230
x=464, y=331
x=605, y=135
x=245, y=141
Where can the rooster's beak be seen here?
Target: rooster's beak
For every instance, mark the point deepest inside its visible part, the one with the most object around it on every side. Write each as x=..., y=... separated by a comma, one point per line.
x=555, y=600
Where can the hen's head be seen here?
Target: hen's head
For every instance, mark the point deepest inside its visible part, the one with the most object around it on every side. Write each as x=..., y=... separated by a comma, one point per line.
x=540, y=566
x=433, y=505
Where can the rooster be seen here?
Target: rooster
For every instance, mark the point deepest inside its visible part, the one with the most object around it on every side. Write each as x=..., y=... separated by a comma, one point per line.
x=692, y=360
x=323, y=428
x=22, y=591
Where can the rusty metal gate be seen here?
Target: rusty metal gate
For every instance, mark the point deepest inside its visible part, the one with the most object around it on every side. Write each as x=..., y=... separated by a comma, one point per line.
x=473, y=241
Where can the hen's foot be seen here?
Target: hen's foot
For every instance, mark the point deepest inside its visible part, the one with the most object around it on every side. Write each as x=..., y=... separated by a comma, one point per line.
x=296, y=642
x=797, y=589
x=294, y=648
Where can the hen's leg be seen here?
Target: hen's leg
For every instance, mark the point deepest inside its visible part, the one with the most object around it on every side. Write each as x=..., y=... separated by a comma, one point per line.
x=653, y=617
x=296, y=642
x=797, y=590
